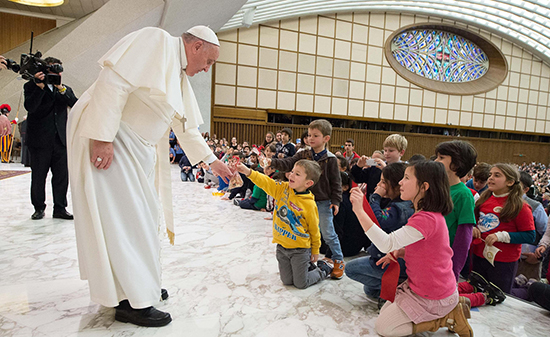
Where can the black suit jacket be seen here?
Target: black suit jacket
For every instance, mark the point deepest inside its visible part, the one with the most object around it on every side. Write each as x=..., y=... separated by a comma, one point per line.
x=47, y=114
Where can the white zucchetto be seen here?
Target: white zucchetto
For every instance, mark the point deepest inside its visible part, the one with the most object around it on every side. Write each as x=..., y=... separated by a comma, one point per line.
x=204, y=33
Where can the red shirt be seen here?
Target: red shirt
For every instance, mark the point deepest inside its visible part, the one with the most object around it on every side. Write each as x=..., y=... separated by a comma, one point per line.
x=489, y=223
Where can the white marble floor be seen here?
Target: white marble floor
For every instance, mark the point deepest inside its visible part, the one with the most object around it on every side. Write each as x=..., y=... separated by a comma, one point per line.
x=221, y=275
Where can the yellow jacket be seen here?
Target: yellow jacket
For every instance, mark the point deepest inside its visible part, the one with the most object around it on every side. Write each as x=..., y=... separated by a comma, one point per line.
x=295, y=217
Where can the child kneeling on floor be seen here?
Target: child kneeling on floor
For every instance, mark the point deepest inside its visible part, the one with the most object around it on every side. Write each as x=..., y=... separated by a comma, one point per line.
x=428, y=299
x=295, y=223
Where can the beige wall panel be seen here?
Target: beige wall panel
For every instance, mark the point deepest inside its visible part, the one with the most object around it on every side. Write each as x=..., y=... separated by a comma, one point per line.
x=288, y=61
x=392, y=21
x=322, y=104
x=225, y=95
x=454, y=102
x=246, y=97
x=428, y=98
x=324, y=66
x=306, y=83
x=228, y=35
x=416, y=97
x=407, y=20
x=386, y=110
x=226, y=73
x=341, y=69
x=269, y=58
x=246, y=76
x=325, y=46
x=360, y=34
x=400, y=112
x=307, y=44
x=374, y=73
x=287, y=81
x=543, y=98
x=356, y=90
x=289, y=40
x=372, y=92
x=339, y=106
x=291, y=24
x=358, y=52
x=323, y=85
x=267, y=79
x=362, y=18
x=357, y=71
x=428, y=115
x=477, y=120
x=356, y=108
x=343, y=30
x=531, y=111
x=415, y=113
x=530, y=125
x=342, y=50
x=402, y=95
x=533, y=97
x=286, y=100
x=326, y=27
x=377, y=20
x=540, y=126
x=465, y=119
x=453, y=117
x=520, y=124
x=511, y=123
x=340, y=88
x=501, y=108
x=441, y=116
x=376, y=37
x=502, y=92
x=248, y=55
x=249, y=35
x=371, y=109
x=228, y=52
x=269, y=37
x=374, y=55
x=308, y=25
x=442, y=101
x=267, y=99
x=387, y=93
x=541, y=113
x=490, y=105
x=522, y=110
x=304, y=103
x=306, y=63
x=388, y=76
x=467, y=103
x=489, y=121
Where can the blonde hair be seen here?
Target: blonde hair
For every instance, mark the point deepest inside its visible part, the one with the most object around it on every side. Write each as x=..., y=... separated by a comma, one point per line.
x=514, y=203
x=396, y=141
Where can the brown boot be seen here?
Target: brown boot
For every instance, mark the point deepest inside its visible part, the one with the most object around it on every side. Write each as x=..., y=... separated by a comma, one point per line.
x=456, y=321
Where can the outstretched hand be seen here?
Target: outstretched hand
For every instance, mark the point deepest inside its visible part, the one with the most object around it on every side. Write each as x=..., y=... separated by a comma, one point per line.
x=243, y=169
x=221, y=170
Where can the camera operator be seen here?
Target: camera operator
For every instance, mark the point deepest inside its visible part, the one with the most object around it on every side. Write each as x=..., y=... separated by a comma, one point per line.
x=47, y=102
x=5, y=125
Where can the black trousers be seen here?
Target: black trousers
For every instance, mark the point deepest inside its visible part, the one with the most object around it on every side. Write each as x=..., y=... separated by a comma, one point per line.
x=540, y=293
x=44, y=159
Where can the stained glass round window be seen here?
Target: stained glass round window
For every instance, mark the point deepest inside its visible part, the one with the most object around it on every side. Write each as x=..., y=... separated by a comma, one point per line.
x=446, y=58
x=440, y=55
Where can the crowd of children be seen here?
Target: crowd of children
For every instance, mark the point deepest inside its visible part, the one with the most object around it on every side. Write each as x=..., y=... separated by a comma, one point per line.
x=480, y=221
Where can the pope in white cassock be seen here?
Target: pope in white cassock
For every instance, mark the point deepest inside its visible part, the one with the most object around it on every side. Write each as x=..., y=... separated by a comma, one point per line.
x=118, y=163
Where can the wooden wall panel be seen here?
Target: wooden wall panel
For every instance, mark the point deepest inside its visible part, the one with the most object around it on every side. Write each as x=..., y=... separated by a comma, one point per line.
x=16, y=29
x=366, y=141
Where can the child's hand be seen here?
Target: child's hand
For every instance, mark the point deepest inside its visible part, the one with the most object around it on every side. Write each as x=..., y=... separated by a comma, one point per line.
x=386, y=260
x=314, y=258
x=243, y=169
x=362, y=161
x=381, y=191
x=539, y=251
x=335, y=207
x=491, y=239
x=380, y=163
x=476, y=233
x=356, y=199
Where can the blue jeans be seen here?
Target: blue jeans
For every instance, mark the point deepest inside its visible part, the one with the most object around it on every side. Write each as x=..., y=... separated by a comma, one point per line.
x=222, y=185
x=187, y=176
x=327, y=229
x=365, y=271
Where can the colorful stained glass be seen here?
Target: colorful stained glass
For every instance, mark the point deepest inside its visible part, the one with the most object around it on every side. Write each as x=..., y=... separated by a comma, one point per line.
x=440, y=55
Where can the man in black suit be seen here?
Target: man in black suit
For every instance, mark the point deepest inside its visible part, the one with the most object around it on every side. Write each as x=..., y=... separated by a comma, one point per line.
x=47, y=106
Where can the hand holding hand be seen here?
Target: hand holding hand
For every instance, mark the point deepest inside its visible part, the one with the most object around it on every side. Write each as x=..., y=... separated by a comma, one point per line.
x=221, y=170
x=101, y=154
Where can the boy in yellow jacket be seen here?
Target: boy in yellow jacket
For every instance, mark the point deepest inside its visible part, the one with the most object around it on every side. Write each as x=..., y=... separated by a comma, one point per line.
x=295, y=223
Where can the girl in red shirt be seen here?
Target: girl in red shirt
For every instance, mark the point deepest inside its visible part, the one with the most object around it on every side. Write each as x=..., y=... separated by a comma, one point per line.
x=504, y=221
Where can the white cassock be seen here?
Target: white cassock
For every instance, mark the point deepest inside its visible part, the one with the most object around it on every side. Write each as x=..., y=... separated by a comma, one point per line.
x=140, y=93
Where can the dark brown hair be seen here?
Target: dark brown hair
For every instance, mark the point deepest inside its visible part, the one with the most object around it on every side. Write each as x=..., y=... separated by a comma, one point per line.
x=437, y=197
x=463, y=155
x=393, y=173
